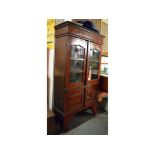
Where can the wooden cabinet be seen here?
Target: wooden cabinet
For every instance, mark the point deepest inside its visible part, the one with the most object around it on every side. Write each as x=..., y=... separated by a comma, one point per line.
x=77, y=70
x=103, y=84
x=74, y=100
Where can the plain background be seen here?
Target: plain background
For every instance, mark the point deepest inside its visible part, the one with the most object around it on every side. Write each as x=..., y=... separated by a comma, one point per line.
x=23, y=77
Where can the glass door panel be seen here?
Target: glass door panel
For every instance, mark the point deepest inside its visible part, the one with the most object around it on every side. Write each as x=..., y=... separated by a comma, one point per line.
x=94, y=70
x=93, y=63
x=76, y=77
x=76, y=70
x=94, y=54
x=77, y=52
x=94, y=57
x=77, y=63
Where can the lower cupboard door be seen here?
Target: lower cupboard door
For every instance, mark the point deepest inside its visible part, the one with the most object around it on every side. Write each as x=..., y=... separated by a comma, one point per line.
x=90, y=95
x=74, y=100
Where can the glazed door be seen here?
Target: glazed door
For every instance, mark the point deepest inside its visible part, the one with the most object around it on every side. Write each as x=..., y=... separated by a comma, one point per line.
x=76, y=62
x=93, y=63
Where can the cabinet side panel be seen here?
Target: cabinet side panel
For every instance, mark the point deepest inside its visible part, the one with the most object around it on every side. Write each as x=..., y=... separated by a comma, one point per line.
x=59, y=72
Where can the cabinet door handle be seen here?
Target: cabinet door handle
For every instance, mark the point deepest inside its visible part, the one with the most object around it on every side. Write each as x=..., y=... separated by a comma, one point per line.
x=87, y=97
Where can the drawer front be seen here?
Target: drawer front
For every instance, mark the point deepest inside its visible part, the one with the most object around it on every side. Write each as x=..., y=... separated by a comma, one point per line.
x=74, y=100
x=90, y=94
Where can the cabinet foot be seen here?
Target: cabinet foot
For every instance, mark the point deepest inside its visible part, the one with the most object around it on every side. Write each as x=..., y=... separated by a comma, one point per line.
x=64, y=124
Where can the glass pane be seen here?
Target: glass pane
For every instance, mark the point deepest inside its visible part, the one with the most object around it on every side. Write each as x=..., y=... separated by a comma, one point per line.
x=76, y=70
x=77, y=63
x=94, y=69
x=94, y=65
x=94, y=76
x=94, y=54
x=77, y=52
x=76, y=66
x=76, y=77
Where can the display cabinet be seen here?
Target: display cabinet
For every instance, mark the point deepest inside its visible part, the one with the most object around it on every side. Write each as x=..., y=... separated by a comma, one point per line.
x=77, y=70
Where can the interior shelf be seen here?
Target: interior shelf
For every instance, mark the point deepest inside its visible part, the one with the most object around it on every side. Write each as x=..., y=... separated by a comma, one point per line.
x=76, y=70
x=80, y=59
x=95, y=60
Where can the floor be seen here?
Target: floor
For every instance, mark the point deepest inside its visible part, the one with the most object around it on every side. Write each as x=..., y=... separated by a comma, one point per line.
x=84, y=123
x=96, y=126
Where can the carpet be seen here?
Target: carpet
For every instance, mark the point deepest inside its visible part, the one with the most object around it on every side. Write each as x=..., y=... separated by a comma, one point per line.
x=97, y=125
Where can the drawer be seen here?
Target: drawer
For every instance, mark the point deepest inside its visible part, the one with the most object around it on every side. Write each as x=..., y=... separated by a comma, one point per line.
x=90, y=94
x=74, y=100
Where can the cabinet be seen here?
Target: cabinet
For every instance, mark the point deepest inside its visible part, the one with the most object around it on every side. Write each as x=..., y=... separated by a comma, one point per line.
x=77, y=70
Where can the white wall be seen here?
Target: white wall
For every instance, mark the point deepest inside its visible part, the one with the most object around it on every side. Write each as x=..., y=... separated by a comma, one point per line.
x=50, y=74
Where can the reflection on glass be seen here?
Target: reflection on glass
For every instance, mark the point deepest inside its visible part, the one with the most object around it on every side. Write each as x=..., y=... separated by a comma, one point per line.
x=76, y=70
x=76, y=66
x=94, y=65
x=94, y=70
x=94, y=54
x=76, y=77
x=77, y=52
x=76, y=63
